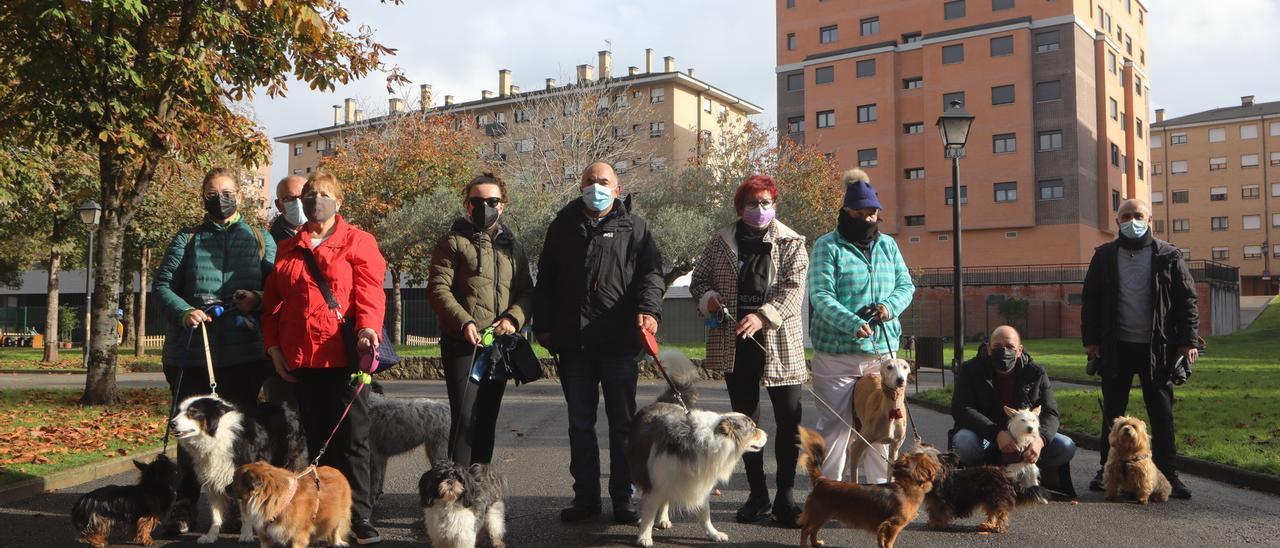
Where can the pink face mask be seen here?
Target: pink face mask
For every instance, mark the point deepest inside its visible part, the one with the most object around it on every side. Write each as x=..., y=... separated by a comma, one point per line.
x=758, y=216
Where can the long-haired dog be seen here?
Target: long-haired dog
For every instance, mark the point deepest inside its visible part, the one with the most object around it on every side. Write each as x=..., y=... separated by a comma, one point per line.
x=398, y=426
x=677, y=458
x=140, y=507
x=1024, y=427
x=219, y=437
x=285, y=508
x=882, y=510
x=460, y=503
x=958, y=492
x=1129, y=468
x=879, y=405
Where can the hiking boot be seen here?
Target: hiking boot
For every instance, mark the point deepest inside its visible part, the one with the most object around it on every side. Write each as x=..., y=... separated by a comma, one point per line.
x=579, y=512
x=1180, y=490
x=364, y=532
x=624, y=513
x=755, y=509
x=182, y=520
x=1096, y=483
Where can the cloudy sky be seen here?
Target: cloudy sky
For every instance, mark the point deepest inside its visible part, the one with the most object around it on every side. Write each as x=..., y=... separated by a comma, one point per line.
x=1200, y=58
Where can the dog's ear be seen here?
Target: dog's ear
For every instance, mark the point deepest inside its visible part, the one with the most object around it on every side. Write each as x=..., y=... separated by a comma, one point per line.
x=468, y=488
x=142, y=466
x=1035, y=410
x=724, y=427
x=1009, y=411
x=428, y=487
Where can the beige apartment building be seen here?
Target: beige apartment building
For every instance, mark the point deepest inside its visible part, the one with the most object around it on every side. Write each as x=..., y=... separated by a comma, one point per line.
x=1215, y=177
x=653, y=119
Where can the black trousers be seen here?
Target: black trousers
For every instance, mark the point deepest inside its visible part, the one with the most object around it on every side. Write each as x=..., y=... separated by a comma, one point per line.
x=583, y=377
x=238, y=384
x=472, y=408
x=744, y=397
x=277, y=390
x=322, y=396
x=1133, y=359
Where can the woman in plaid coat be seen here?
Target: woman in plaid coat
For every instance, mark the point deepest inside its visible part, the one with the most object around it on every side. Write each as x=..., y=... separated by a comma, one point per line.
x=750, y=285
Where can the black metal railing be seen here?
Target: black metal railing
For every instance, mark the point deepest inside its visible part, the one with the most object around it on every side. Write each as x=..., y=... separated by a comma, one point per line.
x=1067, y=273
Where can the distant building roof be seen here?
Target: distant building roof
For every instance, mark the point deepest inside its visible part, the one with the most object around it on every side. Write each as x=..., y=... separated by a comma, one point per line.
x=1225, y=113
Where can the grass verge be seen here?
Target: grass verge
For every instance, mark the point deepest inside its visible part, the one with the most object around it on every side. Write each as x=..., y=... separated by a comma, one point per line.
x=28, y=359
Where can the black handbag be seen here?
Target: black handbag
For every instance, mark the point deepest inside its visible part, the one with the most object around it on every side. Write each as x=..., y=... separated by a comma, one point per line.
x=387, y=356
x=517, y=357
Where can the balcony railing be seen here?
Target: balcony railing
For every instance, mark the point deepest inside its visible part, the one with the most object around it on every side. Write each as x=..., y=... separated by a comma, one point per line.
x=1068, y=273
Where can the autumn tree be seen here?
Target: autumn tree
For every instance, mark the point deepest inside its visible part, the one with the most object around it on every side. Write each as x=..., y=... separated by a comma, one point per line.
x=136, y=82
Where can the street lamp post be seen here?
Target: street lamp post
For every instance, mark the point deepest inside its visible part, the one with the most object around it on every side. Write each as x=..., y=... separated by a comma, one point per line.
x=90, y=213
x=954, y=125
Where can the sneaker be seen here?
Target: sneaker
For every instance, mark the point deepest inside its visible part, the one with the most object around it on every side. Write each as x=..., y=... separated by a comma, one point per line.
x=579, y=512
x=624, y=513
x=1096, y=484
x=786, y=511
x=181, y=520
x=755, y=509
x=1180, y=490
x=364, y=531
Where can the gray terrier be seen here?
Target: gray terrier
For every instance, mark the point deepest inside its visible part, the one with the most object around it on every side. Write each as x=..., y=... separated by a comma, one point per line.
x=398, y=426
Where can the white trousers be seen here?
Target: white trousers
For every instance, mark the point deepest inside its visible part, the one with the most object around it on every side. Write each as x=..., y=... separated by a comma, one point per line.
x=833, y=379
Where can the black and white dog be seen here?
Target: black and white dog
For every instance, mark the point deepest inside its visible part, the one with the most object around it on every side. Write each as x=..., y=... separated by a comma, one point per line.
x=398, y=426
x=459, y=503
x=677, y=458
x=220, y=438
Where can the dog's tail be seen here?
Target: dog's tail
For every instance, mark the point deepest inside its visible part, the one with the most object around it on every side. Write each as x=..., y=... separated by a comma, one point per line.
x=683, y=376
x=1034, y=494
x=813, y=449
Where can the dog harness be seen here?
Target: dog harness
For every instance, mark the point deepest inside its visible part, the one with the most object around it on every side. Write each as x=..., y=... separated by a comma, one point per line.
x=1124, y=470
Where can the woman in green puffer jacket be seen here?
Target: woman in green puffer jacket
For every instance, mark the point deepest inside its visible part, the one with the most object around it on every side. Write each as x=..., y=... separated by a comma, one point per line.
x=479, y=279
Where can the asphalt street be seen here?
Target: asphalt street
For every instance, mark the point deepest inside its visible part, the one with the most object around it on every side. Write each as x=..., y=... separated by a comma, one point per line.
x=533, y=453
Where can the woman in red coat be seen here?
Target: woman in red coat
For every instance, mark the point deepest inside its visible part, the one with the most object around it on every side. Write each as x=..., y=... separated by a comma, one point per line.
x=304, y=338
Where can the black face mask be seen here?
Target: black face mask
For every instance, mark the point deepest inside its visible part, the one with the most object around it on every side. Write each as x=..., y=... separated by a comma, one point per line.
x=1004, y=359
x=319, y=208
x=857, y=230
x=483, y=216
x=221, y=206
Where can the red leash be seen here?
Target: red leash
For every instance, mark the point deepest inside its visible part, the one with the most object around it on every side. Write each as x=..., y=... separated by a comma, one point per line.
x=364, y=376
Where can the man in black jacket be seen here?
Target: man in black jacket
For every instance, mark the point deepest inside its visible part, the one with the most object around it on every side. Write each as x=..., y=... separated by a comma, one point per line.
x=1139, y=317
x=1005, y=376
x=599, y=283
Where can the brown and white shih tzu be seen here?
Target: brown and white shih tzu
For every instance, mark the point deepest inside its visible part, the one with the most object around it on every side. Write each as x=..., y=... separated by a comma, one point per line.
x=288, y=509
x=1129, y=469
x=462, y=503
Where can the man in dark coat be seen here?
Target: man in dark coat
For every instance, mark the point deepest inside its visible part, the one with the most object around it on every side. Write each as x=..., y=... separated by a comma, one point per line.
x=599, y=283
x=1139, y=318
x=1005, y=376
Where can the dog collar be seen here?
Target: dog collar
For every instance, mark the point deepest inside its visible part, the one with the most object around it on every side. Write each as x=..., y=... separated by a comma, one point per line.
x=896, y=413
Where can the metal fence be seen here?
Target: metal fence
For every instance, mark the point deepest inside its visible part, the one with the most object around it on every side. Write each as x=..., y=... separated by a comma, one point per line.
x=1067, y=273
x=936, y=318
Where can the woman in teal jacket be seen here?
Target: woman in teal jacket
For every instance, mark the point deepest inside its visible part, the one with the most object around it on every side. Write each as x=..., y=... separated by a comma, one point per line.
x=220, y=263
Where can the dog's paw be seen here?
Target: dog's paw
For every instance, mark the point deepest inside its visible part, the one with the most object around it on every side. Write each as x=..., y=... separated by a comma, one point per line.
x=662, y=524
x=208, y=538
x=246, y=539
x=718, y=537
x=644, y=541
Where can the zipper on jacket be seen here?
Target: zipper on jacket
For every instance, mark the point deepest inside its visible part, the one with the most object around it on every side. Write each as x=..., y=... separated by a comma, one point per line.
x=493, y=245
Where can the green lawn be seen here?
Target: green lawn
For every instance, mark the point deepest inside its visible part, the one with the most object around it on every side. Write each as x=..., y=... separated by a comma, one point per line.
x=70, y=360
x=1225, y=413
x=45, y=431
x=693, y=351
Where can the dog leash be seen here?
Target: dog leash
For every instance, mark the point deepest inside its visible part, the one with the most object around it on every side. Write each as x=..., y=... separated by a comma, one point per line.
x=177, y=389
x=884, y=330
x=873, y=448
x=486, y=340
x=725, y=311
x=651, y=346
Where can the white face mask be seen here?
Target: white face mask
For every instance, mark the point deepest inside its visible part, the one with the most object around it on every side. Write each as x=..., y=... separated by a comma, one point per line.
x=293, y=212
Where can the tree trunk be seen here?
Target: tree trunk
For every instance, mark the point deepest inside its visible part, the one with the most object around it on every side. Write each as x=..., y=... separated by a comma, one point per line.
x=51, y=306
x=396, y=303
x=127, y=320
x=140, y=325
x=100, y=381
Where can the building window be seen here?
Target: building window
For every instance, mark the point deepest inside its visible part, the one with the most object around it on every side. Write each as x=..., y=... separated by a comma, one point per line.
x=1137, y=84
x=1249, y=160
x=791, y=4
x=1113, y=109
x=1051, y=189
x=913, y=173
x=1001, y=45
x=868, y=157
x=1178, y=139
x=297, y=172
x=1275, y=251
x=1157, y=197
x=658, y=95
x=827, y=35
x=297, y=150
x=1002, y=95
x=914, y=220
x=866, y=113
x=952, y=54
x=1006, y=192
x=826, y=118
x=1048, y=41
x=658, y=164
x=913, y=128
x=1181, y=196
x=1178, y=167
x=1275, y=158
x=791, y=41
x=1275, y=220
x=1249, y=132
x=1250, y=192
x=795, y=82
x=1157, y=227
x=1217, y=135
x=870, y=26
x=1157, y=141
x=866, y=68
x=824, y=75
x=1111, y=62
x=795, y=124
x=1115, y=200
x=1156, y=168
x=1137, y=124
x=308, y=170
x=953, y=9
x=953, y=97
x=912, y=83
x=1142, y=172
x=1251, y=222
x=1274, y=129
x=1182, y=225
x=1252, y=252
x=1275, y=190
x=1221, y=254
x=656, y=129
x=948, y=195
x=1049, y=91
x=1050, y=140
x=1115, y=155
x=1004, y=142
x=911, y=37
x=1218, y=223
x=1217, y=164
x=997, y=5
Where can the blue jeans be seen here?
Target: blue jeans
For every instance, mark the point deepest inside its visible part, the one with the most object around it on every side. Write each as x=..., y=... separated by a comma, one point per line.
x=975, y=451
x=583, y=377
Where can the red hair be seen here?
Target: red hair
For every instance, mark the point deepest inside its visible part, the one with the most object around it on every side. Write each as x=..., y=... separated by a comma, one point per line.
x=750, y=186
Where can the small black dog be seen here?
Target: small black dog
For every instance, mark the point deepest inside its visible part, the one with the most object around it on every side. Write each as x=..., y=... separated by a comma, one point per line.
x=142, y=506
x=958, y=492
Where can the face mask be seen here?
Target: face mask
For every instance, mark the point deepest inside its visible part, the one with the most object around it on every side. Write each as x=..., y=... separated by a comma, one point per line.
x=483, y=216
x=758, y=217
x=293, y=212
x=1005, y=359
x=221, y=206
x=319, y=208
x=597, y=197
x=856, y=229
x=1134, y=229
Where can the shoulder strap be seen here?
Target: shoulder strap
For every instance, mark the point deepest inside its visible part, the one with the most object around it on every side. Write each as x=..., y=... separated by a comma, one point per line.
x=321, y=281
x=262, y=245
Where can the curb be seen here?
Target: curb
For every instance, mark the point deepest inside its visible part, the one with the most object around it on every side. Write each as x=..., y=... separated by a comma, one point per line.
x=75, y=476
x=43, y=371
x=1239, y=477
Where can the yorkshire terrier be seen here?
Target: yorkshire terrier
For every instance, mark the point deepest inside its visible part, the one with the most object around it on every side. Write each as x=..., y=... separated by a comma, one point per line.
x=1129, y=469
x=958, y=492
x=142, y=506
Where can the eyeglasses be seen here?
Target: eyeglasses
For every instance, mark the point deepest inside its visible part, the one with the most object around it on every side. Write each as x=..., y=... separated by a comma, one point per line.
x=759, y=203
x=477, y=201
x=213, y=195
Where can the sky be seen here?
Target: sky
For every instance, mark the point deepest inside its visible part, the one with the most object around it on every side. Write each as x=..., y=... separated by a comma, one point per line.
x=1199, y=58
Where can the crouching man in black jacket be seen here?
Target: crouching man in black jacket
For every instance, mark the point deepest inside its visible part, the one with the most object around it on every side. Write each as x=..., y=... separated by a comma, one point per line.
x=599, y=283
x=1005, y=377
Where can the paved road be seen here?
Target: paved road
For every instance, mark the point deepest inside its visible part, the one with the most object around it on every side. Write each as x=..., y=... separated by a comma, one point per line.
x=533, y=453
